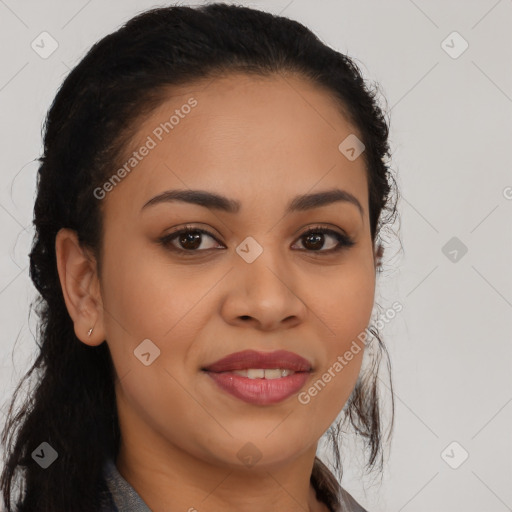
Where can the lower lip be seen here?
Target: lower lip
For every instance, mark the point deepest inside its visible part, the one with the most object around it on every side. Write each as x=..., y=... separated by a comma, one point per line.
x=260, y=391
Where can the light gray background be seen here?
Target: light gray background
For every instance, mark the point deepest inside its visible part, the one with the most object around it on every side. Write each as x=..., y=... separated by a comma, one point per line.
x=451, y=132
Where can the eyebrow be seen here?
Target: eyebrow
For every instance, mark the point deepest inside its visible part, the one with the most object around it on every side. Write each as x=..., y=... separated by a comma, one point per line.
x=219, y=202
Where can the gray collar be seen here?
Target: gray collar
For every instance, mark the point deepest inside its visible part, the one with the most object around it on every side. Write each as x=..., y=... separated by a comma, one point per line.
x=126, y=498
x=124, y=495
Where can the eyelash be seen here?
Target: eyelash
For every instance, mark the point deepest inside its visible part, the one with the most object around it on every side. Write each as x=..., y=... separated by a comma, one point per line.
x=344, y=241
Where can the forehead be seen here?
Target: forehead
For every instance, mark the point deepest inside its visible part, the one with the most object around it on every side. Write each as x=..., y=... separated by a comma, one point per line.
x=240, y=135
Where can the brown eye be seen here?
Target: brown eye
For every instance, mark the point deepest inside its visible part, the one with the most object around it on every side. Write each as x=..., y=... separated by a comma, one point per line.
x=314, y=240
x=186, y=240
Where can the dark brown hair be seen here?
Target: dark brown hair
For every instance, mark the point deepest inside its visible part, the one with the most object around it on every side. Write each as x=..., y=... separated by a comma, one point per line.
x=93, y=117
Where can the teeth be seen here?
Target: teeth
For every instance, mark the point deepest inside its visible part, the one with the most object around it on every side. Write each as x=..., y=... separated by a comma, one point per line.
x=274, y=373
x=256, y=374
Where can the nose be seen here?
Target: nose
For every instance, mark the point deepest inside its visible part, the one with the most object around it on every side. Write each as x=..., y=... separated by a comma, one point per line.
x=264, y=293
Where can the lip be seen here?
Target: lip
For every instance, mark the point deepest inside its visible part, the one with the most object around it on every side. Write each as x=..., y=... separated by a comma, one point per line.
x=264, y=360
x=260, y=391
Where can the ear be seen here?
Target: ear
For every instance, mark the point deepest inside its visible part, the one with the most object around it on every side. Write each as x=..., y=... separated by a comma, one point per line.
x=379, y=252
x=80, y=287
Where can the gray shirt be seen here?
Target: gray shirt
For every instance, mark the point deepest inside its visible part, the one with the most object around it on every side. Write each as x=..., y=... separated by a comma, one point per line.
x=124, y=498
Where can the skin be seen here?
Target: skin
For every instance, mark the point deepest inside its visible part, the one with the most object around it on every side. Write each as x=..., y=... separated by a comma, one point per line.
x=261, y=141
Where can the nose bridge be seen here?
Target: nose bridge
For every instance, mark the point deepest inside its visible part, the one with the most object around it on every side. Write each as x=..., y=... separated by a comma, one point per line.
x=263, y=270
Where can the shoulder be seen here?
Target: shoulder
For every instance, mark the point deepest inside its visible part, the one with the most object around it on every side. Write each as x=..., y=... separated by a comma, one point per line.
x=349, y=503
x=108, y=483
x=120, y=495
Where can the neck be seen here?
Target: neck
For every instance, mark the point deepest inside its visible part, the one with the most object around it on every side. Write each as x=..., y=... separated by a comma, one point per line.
x=171, y=476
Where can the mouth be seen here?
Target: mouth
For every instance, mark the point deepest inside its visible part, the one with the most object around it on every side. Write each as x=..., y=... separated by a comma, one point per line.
x=260, y=378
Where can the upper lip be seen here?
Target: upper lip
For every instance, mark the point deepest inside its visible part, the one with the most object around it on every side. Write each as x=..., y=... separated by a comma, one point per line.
x=263, y=360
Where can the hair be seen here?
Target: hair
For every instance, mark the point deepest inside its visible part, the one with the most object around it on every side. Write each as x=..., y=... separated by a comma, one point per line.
x=93, y=117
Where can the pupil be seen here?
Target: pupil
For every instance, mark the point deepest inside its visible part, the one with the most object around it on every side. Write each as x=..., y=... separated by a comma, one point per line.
x=317, y=238
x=187, y=237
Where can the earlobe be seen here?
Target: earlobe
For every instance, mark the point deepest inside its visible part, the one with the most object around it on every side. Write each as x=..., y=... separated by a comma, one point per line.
x=79, y=283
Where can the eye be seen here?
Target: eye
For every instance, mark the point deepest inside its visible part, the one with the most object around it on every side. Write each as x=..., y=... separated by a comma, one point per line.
x=315, y=239
x=190, y=240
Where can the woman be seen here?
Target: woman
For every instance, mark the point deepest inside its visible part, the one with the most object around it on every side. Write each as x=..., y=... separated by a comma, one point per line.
x=209, y=205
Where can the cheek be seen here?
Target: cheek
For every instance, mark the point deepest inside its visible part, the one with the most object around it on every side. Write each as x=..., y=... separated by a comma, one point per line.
x=347, y=305
x=144, y=298
x=163, y=304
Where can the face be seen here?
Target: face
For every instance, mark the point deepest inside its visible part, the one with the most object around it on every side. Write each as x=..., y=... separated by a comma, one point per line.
x=252, y=280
